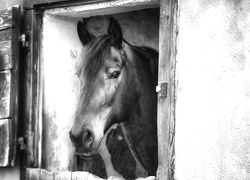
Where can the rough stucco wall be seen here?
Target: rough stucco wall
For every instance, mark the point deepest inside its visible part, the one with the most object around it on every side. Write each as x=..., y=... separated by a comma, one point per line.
x=213, y=91
x=60, y=89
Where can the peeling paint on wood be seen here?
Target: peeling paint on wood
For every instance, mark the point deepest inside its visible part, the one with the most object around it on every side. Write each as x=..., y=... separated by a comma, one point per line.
x=5, y=94
x=5, y=50
x=6, y=19
x=5, y=142
x=9, y=82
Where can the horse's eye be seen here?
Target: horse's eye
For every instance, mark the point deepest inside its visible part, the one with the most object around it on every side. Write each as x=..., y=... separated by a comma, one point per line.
x=115, y=74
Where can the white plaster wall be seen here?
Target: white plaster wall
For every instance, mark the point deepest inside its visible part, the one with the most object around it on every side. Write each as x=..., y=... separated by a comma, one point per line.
x=61, y=50
x=213, y=91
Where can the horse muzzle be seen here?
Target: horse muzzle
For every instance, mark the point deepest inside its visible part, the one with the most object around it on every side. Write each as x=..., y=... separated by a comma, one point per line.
x=83, y=143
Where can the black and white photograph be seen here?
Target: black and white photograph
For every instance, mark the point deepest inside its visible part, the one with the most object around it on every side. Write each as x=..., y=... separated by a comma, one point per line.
x=124, y=90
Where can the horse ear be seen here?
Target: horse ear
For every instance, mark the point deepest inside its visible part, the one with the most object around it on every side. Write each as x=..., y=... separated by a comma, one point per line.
x=83, y=33
x=115, y=33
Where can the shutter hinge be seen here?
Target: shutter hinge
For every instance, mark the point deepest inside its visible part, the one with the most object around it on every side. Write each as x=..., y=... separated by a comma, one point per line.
x=162, y=89
x=24, y=41
x=21, y=142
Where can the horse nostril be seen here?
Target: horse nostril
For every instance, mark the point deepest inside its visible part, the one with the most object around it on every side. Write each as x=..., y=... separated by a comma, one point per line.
x=88, y=138
x=73, y=139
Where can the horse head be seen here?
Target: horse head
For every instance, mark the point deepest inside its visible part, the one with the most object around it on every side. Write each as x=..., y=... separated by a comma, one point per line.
x=107, y=91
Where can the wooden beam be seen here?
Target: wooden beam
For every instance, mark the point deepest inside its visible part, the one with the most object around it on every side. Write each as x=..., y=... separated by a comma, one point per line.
x=51, y=4
x=103, y=8
x=62, y=175
x=32, y=89
x=166, y=105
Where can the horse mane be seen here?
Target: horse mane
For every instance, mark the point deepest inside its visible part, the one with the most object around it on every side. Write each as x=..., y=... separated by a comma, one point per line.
x=152, y=57
x=93, y=57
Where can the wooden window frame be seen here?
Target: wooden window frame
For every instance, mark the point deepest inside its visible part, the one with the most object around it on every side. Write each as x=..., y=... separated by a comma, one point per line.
x=167, y=73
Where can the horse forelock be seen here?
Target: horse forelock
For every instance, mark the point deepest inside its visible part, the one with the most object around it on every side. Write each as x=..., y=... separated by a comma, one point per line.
x=92, y=60
x=93, y=57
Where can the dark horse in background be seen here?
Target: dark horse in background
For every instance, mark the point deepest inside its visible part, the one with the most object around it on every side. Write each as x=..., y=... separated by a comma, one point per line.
x=118, y=83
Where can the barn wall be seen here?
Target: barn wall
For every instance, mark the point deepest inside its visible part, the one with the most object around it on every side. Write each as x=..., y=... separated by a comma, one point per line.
x=213, y=90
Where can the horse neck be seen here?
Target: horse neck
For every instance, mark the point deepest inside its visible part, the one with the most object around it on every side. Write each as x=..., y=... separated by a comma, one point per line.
x=143, y=116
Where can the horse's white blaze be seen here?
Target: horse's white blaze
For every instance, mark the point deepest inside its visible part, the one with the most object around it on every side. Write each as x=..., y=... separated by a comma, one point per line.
x=98, y=123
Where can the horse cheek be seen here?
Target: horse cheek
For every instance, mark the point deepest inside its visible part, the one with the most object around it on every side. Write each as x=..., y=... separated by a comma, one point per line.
x=110, y=91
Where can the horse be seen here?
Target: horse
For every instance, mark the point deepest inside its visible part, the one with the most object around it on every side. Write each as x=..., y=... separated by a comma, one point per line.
x=118, y=83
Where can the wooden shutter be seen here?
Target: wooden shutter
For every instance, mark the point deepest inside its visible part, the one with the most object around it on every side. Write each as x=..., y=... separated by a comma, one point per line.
x=9, y=69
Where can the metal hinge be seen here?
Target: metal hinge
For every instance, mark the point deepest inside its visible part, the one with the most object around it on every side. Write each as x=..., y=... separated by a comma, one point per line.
x=162, y=89
x=21, y=142
x=24, y=41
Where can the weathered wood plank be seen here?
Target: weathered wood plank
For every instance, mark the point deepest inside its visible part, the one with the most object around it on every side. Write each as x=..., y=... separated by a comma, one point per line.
x=62, y=175
x=9, y=48
x=5, y=94
x=5, y=50
x=5, y=35
x=31, y=91
x=29, y=4
x=8, y=18
x=78, y=175
x=9, y=79
x=46, y=175
x=166, y=105
x=42, y=174
x=104, y=7
x=5, y=141
x=32, y=174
